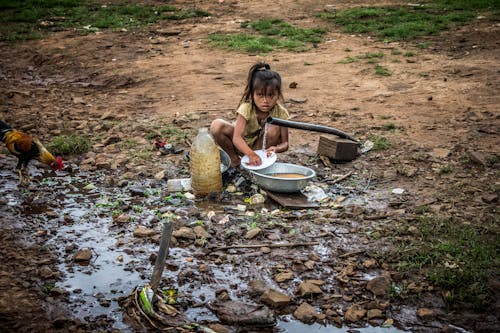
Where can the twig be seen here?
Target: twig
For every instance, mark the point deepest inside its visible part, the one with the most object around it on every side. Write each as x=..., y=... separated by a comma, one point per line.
x=251, y=246
x=341, y=178
x=351, y=253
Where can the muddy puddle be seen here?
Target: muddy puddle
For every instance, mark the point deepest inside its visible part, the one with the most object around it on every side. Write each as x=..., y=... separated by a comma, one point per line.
x=120, y=227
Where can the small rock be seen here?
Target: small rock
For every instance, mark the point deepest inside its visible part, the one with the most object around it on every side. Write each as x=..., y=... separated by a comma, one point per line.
x=379, y=286
x=275, y=298
x=122, y=218
x=45, y=272
x=184, y=232
x=355, y=313
x=426, y=314
x=370, y=263
x=284, y=276
x=477, y=157
x=257, y=287
x=143, y=232
x=256, y=199
x=298, y=100
x=219, y=328
x=160, y=175
x=201, y=232
x=374, y=314
x=253, y=233
x=82, y=255
x=308, y=288
x=265, y=249
x=440, y=153
x=305, y=313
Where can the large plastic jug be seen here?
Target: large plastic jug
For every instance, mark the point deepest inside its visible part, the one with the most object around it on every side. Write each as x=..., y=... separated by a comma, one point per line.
x=204, y=165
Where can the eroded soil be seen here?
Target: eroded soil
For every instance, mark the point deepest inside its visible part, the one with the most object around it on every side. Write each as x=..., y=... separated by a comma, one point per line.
x=118, y=87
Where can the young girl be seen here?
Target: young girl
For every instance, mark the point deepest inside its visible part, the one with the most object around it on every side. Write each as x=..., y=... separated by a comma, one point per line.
x=259, y=101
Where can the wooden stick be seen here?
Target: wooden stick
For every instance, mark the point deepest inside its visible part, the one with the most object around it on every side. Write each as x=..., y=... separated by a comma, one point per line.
x=351, y=253
x=341, y=178
x=251, y=246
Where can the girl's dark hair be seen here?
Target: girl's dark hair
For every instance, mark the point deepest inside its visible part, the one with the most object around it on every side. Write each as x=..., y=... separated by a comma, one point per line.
x=260, y=76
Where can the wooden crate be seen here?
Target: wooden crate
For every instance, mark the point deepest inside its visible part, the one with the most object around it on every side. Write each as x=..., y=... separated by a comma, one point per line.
x=337, y=148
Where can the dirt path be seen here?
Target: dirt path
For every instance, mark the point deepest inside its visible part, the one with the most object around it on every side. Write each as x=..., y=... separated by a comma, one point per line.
x=443, y=102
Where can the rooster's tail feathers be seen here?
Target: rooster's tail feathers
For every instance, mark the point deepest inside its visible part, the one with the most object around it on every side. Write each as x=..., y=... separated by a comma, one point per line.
x=4, y=128
x=44, y=156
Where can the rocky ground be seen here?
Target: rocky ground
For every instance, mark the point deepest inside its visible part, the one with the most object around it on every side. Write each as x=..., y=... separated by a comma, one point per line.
x=438, y=109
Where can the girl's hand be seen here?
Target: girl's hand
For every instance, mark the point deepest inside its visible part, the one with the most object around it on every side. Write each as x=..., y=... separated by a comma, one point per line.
x=270, y=151
x=254, y=159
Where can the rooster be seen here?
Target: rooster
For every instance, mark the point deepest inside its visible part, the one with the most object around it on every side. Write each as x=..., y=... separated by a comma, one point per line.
x=26, y=148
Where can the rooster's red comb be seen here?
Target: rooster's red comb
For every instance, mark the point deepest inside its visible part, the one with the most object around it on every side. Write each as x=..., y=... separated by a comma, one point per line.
x=59, y=163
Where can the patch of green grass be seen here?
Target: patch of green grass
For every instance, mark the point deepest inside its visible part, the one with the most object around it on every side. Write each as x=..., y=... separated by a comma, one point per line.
x=47, y=287
x=271, y=34
x=410, y=22
x=69, y=144
x=128, y=144
x=381, y=70
x=389, y=127
x=31, y=19
x=142, y=155
x=458, y=258
x=349, y=60
x=371, y=55
x=409, y=54
x=444, y=169
x=379, y=142
x=424, y=45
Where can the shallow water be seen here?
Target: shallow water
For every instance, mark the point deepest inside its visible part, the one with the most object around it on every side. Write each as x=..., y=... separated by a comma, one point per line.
x=121, y=262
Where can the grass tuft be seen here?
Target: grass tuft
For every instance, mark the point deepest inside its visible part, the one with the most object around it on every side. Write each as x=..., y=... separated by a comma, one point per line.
x=69, y=144
x=271, y=34
x=31, y=19
x=410, y=22
x=460, y=259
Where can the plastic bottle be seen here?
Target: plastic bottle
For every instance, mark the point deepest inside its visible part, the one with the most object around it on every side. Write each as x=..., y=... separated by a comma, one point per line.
x=205, y=168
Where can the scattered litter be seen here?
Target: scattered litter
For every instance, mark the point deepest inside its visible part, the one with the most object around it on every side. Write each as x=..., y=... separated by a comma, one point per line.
x=398, y=191
x=256, y=199
x=314, y=193
x=179, y=185
x=366, y=146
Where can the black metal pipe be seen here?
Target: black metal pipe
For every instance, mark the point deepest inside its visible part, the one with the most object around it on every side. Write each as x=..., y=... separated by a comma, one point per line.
x=309, y=127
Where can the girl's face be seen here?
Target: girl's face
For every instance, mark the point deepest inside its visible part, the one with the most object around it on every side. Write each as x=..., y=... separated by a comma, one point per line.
x=265, y=99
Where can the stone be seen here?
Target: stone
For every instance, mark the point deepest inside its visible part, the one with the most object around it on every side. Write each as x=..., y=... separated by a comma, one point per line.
x=219, y=328
x=143, y=232
x=374, y=314
x=274, y=298
x=307, y=288
x=426, y=314
x=379, y=286
x=82, y=255
x=122, y=218
x=257, y=287
x=284, y=276
x=185, y=233
x=306, y=313
x=201, y=232
x=253, y=233
x=440, y=153
x=355, y=313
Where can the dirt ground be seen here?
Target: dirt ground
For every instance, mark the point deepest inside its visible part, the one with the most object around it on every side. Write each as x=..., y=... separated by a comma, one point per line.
x=443, y=101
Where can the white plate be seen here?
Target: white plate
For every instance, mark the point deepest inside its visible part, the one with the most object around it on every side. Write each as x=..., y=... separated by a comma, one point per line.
x=266, y=161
